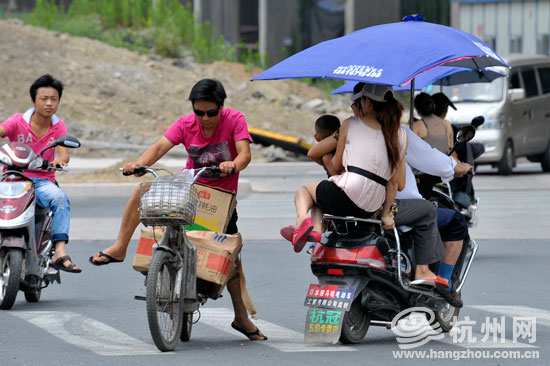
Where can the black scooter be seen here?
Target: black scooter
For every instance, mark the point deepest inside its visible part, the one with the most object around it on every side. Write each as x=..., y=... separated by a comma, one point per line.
x=364, y=275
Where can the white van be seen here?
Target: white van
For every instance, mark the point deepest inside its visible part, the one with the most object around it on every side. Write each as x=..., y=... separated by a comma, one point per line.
x=516, y=110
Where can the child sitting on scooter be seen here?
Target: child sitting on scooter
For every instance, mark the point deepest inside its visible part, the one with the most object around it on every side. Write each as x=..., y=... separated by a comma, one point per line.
x=327, y=126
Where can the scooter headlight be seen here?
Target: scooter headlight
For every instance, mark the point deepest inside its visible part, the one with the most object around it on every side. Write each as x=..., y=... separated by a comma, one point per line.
x=14, y=189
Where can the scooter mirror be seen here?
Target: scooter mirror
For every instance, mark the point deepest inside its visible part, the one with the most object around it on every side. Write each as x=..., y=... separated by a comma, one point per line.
x=67, y=141
x=465, y=134
x=478, y=121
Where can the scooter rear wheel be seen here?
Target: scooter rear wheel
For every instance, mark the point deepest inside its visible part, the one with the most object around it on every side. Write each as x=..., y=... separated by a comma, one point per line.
x=11, y=266
x=355, y=323
x=164, y=312
x=446, y=318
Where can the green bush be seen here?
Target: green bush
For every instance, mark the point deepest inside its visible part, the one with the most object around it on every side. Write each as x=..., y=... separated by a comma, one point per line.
x=163, y=26
x=45, y=14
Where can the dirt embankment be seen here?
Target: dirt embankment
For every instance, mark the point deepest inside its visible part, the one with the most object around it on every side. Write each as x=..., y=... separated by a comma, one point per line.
x=118, y=102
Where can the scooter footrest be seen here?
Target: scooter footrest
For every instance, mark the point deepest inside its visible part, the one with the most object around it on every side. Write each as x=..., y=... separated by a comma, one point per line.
x=139, y=297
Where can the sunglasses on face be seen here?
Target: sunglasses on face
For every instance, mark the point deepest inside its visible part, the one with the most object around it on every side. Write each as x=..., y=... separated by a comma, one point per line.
x=355, y=104
x=210, y=113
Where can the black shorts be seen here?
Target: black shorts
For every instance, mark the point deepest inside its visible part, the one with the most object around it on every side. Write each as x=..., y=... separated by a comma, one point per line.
x=332, y=200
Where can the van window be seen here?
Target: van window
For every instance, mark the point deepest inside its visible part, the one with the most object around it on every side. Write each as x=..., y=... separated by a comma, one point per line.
x=514, y=80
x=530, y=82
x=544, y=74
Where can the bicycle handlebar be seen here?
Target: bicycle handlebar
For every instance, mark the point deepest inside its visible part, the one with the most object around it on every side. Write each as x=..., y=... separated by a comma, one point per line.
x=142, y=170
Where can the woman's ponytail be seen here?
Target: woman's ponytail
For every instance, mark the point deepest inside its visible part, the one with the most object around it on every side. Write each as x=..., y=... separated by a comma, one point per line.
x=389, y=115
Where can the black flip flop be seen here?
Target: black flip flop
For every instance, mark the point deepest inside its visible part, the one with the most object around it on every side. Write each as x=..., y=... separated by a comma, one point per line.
x=110, y=259
x=58, y=264
x=249, y=334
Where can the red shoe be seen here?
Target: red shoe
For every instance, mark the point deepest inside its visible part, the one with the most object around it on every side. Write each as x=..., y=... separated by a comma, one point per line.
x=313, y=237
x=299, y=236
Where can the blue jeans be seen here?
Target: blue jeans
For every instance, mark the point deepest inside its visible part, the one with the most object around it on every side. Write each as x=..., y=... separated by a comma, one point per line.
x=451, y=224
x=50, y=196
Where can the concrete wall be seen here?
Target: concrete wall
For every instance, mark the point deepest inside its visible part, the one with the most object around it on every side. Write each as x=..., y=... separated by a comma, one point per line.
x=276, y=24
x=222, y=15
x=524, y=24
x=361, y=14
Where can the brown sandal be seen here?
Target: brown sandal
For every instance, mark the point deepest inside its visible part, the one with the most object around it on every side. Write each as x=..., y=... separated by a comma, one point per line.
x=58, y=264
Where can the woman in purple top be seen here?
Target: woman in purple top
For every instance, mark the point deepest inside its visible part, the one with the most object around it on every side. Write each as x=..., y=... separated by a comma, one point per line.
x=212, y=135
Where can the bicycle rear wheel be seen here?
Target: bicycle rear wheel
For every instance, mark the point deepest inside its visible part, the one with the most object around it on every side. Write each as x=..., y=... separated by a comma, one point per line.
x=164, y=313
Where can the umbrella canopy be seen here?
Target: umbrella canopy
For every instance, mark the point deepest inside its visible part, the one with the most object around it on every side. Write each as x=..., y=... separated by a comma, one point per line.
x=444, y=76
x=388, y=54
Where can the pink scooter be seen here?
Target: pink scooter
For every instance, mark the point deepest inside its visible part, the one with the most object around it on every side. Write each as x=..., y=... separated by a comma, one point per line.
x=25, y=227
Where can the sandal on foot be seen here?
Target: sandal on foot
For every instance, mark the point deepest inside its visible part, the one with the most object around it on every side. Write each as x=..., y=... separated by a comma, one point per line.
x=110, y=259
x=249, y=334
x=58, y=264
x=429, y=282
x=313, y=237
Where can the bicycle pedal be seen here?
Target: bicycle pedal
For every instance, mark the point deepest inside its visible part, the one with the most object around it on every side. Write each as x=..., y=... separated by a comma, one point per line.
x=138, y=297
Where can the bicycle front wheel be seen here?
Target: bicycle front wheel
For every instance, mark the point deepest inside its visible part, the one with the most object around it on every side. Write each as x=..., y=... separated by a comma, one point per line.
x=164, y=313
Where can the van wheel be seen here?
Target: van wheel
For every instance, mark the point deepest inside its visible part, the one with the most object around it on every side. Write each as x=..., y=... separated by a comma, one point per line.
x=508, y=161
x=545, y=160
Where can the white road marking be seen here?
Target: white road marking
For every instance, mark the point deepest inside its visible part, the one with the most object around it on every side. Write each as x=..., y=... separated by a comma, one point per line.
x=280, y=338
x=87, y=333
x=543, y=316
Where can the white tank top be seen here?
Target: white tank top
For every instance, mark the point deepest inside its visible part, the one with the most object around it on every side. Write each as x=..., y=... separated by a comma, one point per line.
x=366, y=149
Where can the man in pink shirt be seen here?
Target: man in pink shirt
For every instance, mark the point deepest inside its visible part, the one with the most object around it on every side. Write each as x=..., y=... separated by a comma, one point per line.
x=212, y=135
x=39, y=127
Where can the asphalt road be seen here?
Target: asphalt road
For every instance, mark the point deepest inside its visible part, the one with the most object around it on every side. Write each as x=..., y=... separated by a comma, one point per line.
x=92, y=317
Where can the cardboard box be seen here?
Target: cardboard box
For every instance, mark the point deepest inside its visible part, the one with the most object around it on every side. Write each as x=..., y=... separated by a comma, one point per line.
x=216, y=256
x=144, y=251
x=215, y=209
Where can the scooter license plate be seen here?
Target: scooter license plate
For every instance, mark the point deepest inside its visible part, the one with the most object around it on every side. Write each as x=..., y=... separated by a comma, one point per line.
x=327, y=306
x=330, y=296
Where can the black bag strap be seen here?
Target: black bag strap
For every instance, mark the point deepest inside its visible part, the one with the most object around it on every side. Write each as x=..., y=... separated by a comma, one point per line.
x=365, y=173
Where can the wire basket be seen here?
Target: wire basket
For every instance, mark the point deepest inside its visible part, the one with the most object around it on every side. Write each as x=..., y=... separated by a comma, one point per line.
x=168, y=201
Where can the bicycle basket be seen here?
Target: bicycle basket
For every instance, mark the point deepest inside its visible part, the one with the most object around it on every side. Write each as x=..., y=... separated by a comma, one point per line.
x=168, y=201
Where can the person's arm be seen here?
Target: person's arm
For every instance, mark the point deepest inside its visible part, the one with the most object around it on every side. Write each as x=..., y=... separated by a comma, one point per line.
x=427, y=159
x=337, y=158
x=419, y=128
x=151, y=155
x=62, y=157
x=450, y=134
x=396, y=182
x=241, y=161
x=327, y=163
x=3, y=132
x=323, y=147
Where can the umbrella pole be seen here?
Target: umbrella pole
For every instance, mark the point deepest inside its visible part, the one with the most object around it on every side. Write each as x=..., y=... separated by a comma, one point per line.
x=411, y=105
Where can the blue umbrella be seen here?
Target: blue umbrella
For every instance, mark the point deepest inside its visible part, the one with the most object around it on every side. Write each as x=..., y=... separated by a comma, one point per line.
x=439, y=76
x=388, y=54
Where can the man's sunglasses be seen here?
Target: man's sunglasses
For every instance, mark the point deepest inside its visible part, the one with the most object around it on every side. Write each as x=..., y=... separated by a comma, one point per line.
x=210, y=113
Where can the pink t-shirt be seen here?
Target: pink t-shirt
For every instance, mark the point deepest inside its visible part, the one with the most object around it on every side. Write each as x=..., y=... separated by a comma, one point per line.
x=18, y=129
x=213, y=150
